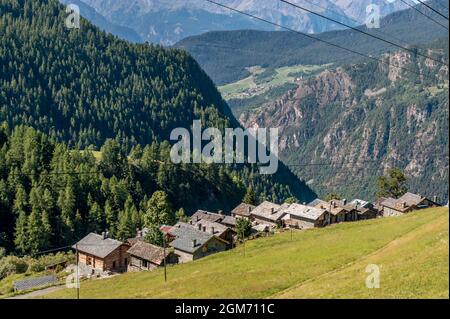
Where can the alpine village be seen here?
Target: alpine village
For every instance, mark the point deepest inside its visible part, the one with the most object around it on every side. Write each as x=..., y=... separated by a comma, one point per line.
x=93, y=206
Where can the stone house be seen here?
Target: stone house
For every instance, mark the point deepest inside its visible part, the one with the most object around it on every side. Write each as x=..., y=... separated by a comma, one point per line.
x=204, y=215
x=145, y=256
x=243, y=210
x=407, y=203
x=304, y=217
x=102, y=253
x=267, y=213
x=216, y=229
x=192, y=244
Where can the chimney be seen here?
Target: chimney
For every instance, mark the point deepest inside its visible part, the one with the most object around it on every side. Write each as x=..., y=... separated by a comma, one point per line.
x=212, y=230
x=435, y=199
x=272, y=210
x=220, y=212
x=104, y=235
x=404, y=205
x=197, y=219
x=304, y=203
x=199, y=227
x=344, y=202
x=194, y=243
x=137, y=232
x=249, y=209
x=107, y=234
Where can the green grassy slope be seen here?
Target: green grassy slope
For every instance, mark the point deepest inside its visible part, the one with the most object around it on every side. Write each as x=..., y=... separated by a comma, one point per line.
x=412, y=251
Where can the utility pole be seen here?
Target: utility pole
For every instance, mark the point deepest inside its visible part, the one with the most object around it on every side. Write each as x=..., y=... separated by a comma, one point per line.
x=77, y=278
x=243, y=238
x=164, y=257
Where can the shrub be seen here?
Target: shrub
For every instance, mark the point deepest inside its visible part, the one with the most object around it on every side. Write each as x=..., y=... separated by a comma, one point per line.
x=12, y=265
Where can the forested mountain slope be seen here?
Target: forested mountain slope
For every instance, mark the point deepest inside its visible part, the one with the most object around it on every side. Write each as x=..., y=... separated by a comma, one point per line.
x=65, y=91
x=83, y=86
x=225, y=55
x=347, y=125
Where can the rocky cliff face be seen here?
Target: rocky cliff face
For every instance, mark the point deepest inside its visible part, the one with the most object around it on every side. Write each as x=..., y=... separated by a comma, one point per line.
x=344, y=127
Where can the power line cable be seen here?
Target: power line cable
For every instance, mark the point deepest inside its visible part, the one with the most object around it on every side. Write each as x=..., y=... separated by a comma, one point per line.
x=432, y=9
x=427, y=16
x=359, y=23
x=362, y=31
x=314, y=38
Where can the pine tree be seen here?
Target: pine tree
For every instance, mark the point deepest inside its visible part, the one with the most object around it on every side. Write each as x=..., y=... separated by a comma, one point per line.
x=250, y=197
x=21, y=233
x=159, y=211
x=154, y=236
x=96, y=221
x=38, y=230
x=124, y=226
x=20, y=201
x=181, y=215
x=393, y=185
x=67, y=206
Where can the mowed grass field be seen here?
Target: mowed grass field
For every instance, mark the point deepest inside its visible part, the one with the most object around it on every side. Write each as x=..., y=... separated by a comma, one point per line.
x=411, y=251
x=282, y=76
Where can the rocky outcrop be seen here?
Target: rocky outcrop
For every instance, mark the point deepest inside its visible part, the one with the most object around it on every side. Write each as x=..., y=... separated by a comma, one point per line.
x=340, y=130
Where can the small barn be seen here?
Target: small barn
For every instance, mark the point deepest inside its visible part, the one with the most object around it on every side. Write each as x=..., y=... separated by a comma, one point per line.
x=145, y=256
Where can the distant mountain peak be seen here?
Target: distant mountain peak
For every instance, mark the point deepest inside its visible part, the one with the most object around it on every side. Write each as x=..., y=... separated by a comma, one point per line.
x=167, y=22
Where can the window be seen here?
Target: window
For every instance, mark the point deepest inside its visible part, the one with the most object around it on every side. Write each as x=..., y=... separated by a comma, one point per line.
x=114, y=264
x=126, y=261
x=145, y=264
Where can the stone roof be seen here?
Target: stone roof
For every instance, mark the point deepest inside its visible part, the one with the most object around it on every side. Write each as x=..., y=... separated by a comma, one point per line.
x=268, y=211
x=207, y=226
x=229, y=220
x=334, y=206
x=96, y=245
x=186, y=234
x=204, y=215
x=148, y=252
x=243, y=209
x=359, y=203
x=302, y=211
x=316, y=202
x=403, y=203
x=261, y=228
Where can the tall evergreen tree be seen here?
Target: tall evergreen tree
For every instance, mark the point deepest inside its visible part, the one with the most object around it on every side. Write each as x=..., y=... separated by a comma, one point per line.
x=159, y=211
x=250, y=197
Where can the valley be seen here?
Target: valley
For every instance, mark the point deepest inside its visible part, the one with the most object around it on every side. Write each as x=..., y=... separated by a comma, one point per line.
x=127, y=157
x=346, y=120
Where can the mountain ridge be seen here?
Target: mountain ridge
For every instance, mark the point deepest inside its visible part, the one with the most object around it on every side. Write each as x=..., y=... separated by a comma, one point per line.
x=225, y=55
x=168, y=22
x=370, y=116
